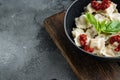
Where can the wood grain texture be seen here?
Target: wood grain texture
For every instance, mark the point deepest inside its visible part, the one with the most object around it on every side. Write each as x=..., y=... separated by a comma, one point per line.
x=83, y=66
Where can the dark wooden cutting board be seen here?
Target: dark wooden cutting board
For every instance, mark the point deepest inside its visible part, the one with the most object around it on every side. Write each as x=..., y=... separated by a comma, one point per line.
x=83, y=66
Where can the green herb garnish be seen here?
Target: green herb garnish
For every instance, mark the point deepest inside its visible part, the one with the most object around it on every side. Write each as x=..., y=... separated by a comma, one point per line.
x=112, y=27
x=103, y=26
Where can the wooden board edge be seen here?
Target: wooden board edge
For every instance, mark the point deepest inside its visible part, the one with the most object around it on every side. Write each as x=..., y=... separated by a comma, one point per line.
x=61, y=49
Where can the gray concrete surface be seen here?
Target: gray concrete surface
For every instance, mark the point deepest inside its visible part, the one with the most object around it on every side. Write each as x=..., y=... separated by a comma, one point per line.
x=26, y=50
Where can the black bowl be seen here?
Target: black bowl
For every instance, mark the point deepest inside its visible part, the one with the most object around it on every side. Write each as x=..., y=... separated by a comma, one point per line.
x=75, y=10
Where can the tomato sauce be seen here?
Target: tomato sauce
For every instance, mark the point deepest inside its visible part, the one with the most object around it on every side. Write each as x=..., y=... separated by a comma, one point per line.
x=83, y=41
x=115, y=39
x=100, y=6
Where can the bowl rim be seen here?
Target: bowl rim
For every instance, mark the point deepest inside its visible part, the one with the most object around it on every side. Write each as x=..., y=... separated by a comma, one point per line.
x=88, y=53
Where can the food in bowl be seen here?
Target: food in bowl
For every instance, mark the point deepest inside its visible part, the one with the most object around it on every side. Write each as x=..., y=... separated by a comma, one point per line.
x=98, y=29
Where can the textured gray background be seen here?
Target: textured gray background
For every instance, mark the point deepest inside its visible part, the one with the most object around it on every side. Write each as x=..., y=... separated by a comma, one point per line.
x=26, y=50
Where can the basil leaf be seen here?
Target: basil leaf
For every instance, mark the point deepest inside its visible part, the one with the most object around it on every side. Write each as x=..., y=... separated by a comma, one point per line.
x=92, y=20
x=112, y=27
x=102, y=25
x=99, y=27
